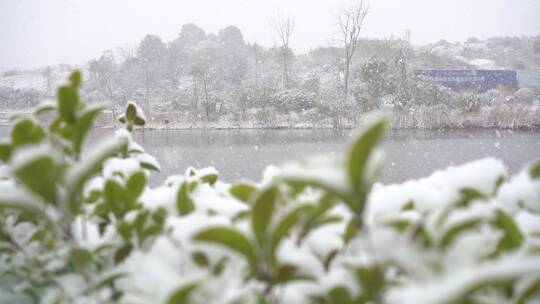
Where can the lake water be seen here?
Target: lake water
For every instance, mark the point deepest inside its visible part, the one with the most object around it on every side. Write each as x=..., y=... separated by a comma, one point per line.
x=243, y=154
x=409, y=154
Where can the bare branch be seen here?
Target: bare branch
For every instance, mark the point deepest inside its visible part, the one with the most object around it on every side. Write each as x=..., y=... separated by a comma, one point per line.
x=350, y=24
x=284, y=27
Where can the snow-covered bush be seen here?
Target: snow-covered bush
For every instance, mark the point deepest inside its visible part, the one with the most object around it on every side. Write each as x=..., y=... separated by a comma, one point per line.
x=492, y=97
x=426, y=92
x=375, y=75
x=362, y=96
x=469, y=102
x=11, y=98
x=80, y=226
x=294, y=100
x=525, y=96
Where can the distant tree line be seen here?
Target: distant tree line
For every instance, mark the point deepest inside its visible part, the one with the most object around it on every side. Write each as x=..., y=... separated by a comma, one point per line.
x=208, y=75
x=213, y=74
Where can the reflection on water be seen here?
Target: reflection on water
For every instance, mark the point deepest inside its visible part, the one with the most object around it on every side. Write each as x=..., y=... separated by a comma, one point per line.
x=409, y=154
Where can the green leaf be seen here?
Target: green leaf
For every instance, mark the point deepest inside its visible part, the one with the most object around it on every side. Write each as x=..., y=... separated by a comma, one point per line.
x=67, y=103
x=192, y=185
x=5, y=151
x=421, y=234
x=534, y=170
x=512, y=237
x=190, y=171
x=456, y=229
x=243, y=191
x=93, y=196
x=284, y=226
x=140, y=220
x=182, y=295
x=24, y=205
x=408, y=206
x=39, y=174
x=75, y=78
x=240, y=216
x=287, y=273
x=106, y=281
x=122, y=253
x=139, y=121
x=340, y=295
x=44, y=108
x=124, y=229
x=219, y=266
x=372, y=281
x=41, y=235
x=209, y=178
x=351, y=230
x=81, y=258
x=149, y=166
x=360, y=151
x=115, y=196
x=26, y=131
x=184, y=202
x=200, y=259
x=529, y=291
x=262, y=213
x=400, y=224
x=298, y=183
x=329, y=258
x=498, y=183
x=315, y=217
x=154, y=229
x=159, y=215
x=83, y=124
x=468, y=195
x=327, y=219
x=131, y=112
x=89, y=165
x=231, y=239
x=135, y=185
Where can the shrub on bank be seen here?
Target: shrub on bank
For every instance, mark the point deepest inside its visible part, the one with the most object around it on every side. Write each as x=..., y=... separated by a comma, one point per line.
x=469, y=102
x=84, y=226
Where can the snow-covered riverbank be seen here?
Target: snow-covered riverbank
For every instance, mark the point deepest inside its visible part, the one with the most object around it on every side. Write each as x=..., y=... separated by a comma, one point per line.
x=505, y=116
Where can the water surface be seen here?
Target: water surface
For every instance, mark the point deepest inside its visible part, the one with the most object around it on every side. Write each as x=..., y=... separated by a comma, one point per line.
x=243, y=154
x=409, y=154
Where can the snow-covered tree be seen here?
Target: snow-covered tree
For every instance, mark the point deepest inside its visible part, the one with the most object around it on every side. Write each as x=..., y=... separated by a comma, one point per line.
x=152, y=53
x=102, y=73
x=350, y=25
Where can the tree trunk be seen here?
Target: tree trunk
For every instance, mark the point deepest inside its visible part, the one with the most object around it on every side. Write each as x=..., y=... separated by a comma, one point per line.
x=285, y=69
x=195, y=98
x=207, y=103
x=347, y=69
x=147, y=85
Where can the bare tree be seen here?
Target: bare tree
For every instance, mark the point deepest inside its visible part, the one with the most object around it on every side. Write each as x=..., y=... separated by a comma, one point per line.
x=350, y=23
x=127, y=52
x=48, y=77
x=284, y=27
x=103, y=72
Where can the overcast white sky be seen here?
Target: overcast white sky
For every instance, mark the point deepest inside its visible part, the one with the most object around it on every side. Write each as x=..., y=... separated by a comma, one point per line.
x=35, y=33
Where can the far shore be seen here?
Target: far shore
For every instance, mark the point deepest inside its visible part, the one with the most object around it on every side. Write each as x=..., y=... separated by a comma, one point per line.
x=504, y=116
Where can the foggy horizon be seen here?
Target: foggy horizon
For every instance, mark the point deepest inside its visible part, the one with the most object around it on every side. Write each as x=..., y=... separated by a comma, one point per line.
x=40, y=34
